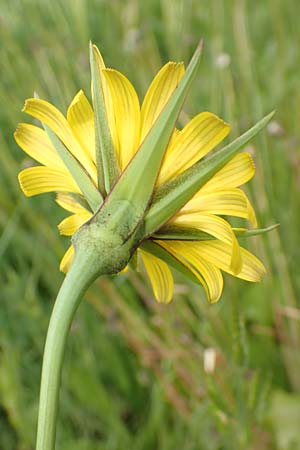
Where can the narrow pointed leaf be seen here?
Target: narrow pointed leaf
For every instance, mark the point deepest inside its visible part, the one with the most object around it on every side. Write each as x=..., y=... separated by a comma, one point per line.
x=243, y=233
x=192, y=234
x=173, y=195
x=137, y=182
x=81, y=177
x=182, y=234
x=106, y=159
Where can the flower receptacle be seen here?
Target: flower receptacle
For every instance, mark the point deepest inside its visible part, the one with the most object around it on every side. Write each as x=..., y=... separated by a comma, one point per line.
x=106, y=240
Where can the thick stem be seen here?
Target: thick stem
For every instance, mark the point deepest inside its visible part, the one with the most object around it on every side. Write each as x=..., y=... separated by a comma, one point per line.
x=78, y=279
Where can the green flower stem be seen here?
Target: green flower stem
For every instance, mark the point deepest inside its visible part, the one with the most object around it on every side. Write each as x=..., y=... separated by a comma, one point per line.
x=77, y=280
x=100, y=249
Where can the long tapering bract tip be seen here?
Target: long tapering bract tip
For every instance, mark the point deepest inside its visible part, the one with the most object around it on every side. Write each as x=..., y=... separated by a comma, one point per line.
x=169, y=198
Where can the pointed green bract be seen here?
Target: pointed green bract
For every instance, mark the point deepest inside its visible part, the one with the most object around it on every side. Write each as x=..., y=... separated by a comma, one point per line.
x=84, y=182
x=107, y=165
x=137, y=182
x=192, y=234
x=159, y=252
x=173, y=195
x=175, y=232
x=133, y=262
x=81, y=200
x=243, y=233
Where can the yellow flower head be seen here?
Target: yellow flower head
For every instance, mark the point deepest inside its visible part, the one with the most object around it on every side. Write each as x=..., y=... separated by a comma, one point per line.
x=197, y=239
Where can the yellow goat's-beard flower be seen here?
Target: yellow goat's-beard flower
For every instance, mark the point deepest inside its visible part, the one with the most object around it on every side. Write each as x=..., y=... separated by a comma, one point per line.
x=197, y=237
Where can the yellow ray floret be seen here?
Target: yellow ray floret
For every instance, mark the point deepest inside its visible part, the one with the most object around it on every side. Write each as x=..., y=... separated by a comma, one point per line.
x=228, y=202
x=159, y=92
x=203, y=133
x=40, y=179
x=126, y=115
x=35, y=142
x=236, y=172
x=160, y=277
x=208, y=274
x=218, y=254
x=70, y=224
x=80, y=214
x=67, y=260
x=54, y=119
x=217, y=227
x=70, y=203
x=80, y=117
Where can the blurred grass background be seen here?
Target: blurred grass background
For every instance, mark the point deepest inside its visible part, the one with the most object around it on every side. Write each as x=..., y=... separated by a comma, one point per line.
x=137, y=375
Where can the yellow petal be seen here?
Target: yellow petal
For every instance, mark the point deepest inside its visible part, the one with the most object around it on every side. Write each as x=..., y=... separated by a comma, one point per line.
x=208, y=275
x=159, y=92
x=40, y=179
x=198, y=137
x=70, y=225
x=235, y=173
x=219, y=254
x=213, y=280
x=126, y=111
x=67, y=260
x=35, y=142
x=174, y=136
x=80, y=117
x=69, y=203
x=99, y=58
x=229, y=202
x=160, y=277
x=54, y=119
x=251, y=213
x=125, y=270
x=217, y=227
